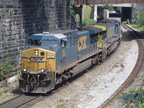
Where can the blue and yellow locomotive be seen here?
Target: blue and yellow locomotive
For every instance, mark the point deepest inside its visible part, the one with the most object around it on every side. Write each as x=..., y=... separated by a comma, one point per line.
x=52, y=57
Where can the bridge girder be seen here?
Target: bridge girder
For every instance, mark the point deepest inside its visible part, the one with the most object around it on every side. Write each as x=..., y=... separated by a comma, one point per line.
x=84, y=2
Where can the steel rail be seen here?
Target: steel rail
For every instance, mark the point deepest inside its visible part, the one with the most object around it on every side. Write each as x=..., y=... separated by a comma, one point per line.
x=17, y=101
x=135, y=71
x=137, y=35
x=25, y=101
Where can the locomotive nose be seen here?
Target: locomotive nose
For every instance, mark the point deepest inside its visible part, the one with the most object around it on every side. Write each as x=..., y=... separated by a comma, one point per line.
x=38, y=60
x=38, y=67
x=33, y=60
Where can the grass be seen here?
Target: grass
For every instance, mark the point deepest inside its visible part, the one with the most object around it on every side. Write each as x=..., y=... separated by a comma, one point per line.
x=62, y=107
x=135, y=25
x=8, y=89
x=138, y=27
x=4, y=92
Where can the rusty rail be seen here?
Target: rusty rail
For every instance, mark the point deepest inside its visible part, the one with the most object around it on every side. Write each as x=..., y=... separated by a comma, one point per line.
x=140, y=42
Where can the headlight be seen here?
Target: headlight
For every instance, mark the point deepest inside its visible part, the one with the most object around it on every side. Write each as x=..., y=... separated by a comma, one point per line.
x=42, y=70
x=24, y=55
x=50, y=56
x=36, y=52
x=25, y=69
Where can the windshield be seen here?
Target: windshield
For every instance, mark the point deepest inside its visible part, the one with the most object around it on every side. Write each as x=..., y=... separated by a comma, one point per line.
x=34, y=42
x=49, y=44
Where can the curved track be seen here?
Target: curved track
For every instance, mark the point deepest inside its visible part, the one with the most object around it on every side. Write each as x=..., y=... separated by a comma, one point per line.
x=140, y=41
x=27, y=100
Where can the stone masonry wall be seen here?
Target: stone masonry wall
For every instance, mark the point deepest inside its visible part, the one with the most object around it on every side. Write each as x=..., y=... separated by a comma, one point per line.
x=21, y=18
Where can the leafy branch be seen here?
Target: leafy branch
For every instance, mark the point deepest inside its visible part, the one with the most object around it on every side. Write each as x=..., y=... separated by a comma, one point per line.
x=70, y=7
x=139, y=15
x=107, y=6
x=4, y=66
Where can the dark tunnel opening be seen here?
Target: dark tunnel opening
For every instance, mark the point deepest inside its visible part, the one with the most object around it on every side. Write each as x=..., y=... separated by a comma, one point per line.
x=126, y=13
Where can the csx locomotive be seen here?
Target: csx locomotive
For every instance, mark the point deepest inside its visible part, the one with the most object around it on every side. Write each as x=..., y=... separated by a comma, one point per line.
x=52, y=57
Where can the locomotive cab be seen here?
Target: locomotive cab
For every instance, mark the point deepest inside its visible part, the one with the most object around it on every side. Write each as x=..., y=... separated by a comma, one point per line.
x=39, y=62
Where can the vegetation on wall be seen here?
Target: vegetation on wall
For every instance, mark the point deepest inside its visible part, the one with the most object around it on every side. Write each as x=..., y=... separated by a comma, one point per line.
x=107, y=5
x=138, y=21
x=4, y=66
x=88, y=15
x=71, y=14
x=70, y=7
x=139, y=17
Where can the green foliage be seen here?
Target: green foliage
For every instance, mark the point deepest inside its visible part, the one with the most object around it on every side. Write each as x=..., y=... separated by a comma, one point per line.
x=128, y=21
x=107, y=5
x=136, y=98
x=62, y=107
x=139, y=17
x=88, y=22
x=5, y=66
x=70, y=7
x=138, y=26
x=88, y=12
x=124, y=22
x=88, y=15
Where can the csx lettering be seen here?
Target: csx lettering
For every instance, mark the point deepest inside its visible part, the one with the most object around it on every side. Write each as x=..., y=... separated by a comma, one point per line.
x=37, y=58
x=82, y=43
x=37, y=61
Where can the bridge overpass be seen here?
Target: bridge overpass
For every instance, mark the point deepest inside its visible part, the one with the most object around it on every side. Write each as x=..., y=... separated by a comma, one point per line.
x=94, y=2
x=125, y=7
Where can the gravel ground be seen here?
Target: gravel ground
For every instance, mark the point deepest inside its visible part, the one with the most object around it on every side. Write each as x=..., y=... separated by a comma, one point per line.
x=135, y=85
x=93, y=88
x=8, y=92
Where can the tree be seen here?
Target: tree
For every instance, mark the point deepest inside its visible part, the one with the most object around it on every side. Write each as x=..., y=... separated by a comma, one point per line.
x=107, y=6
x=139, y=17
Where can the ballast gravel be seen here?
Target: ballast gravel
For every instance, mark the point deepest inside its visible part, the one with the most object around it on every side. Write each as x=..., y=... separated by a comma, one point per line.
x=94, y=87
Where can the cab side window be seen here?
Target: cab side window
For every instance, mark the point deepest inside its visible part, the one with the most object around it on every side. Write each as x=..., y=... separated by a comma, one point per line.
x=116, y=27
x=63, y=43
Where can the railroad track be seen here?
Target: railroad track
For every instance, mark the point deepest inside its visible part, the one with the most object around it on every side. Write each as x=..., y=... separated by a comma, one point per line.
x=20, y=101
x=140, y=41
x=140, y=38
x=27, y=100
